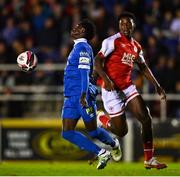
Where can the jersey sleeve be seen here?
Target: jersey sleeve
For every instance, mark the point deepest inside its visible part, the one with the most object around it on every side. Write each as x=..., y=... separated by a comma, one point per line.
x=140, y=58
x=84, y=80
x=106, y=48
x=84, y=65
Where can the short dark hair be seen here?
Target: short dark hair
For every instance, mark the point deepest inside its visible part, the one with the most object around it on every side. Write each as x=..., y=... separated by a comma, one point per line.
x=90, y=28
x=127, y=14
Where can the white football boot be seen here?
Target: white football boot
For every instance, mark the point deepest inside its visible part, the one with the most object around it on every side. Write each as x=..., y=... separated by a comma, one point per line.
x=153, y=163
x=116, y=152
x=103, y=156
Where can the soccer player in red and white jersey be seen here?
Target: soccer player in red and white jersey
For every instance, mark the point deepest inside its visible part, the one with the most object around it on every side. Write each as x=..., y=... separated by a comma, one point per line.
x=114, y=64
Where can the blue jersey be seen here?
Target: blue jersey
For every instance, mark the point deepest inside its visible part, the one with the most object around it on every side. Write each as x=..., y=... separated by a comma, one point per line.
x=79, y=60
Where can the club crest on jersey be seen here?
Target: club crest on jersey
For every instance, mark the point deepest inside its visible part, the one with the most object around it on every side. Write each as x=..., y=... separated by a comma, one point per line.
x=84, y=54
x=123, y=45
x=128, y=59
x=135, y=48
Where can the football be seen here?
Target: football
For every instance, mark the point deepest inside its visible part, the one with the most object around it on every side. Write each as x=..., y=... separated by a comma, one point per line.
x=27, y=61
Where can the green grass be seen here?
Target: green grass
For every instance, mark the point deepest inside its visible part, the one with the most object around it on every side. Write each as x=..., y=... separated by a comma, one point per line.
x=83, y=169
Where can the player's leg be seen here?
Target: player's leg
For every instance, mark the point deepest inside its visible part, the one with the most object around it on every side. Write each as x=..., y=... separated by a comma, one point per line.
x=116, y=119
x=89, y=117
x=117, y=125
x=102, y=136
x=70, y=116
x=139, y=110
x=77, y=137
x=137, y=106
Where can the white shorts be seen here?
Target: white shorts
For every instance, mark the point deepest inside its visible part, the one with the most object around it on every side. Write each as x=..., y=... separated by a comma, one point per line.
x=115, y=102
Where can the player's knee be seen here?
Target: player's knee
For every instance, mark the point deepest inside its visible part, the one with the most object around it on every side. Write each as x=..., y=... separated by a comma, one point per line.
x=96, y=133
x=122, y=132
x=67, y=134
x=93, y=134
x=119, y=130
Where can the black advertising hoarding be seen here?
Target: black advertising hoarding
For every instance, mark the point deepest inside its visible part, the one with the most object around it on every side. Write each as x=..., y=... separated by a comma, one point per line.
x=37, y=140
x=32, y=139
x=166, y=140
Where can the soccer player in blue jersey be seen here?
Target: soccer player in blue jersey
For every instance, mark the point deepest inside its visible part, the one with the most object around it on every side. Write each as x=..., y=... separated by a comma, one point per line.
x=80, y=95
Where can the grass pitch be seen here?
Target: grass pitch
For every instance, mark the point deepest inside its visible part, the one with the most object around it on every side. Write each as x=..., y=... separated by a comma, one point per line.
x=83, y=169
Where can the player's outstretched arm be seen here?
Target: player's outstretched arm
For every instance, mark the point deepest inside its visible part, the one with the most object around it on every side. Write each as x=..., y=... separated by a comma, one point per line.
x=149, y=75
x=99, y=69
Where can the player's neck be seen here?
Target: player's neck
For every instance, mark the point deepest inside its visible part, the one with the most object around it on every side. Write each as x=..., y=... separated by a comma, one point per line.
x=80, y=40
x=129, y=38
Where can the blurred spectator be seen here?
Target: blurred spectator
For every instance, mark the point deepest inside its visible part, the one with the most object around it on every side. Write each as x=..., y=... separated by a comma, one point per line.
x=173, y=34
x=3, y=52
x=160, y=71
x=171, y=75
x=10, y=33
x=113, y=22
x=25, y=29
x=48, y=36
x=39, y=16
x=165, y=26
x=175, y=26
x=17, y=48
x=151, y=51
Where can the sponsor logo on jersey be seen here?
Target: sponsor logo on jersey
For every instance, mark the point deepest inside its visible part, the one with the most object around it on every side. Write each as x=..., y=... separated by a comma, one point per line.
x=90, y=111
x=84, y=60
x=128, y=59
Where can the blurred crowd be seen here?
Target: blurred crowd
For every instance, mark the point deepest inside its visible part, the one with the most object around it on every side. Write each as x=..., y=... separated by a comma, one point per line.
x=43, y=27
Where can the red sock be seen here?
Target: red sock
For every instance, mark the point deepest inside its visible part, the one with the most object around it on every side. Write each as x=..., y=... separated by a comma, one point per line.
x=148, y=150
x=104, y=120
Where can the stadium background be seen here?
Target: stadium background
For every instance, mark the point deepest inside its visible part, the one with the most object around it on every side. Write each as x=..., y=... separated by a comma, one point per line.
x=30, y=103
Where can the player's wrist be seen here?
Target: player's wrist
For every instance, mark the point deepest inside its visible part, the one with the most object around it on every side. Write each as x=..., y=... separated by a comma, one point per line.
x=83, y=95
x=158, y=86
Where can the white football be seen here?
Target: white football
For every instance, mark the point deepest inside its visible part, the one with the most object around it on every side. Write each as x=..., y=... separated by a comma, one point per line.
x=27, y=61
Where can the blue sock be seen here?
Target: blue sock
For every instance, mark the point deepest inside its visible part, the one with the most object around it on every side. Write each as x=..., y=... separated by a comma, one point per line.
x=103, y=136
x=81, y=141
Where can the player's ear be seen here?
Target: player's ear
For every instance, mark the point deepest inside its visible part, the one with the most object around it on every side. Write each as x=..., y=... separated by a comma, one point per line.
x=133, y=23
x=83, y=30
